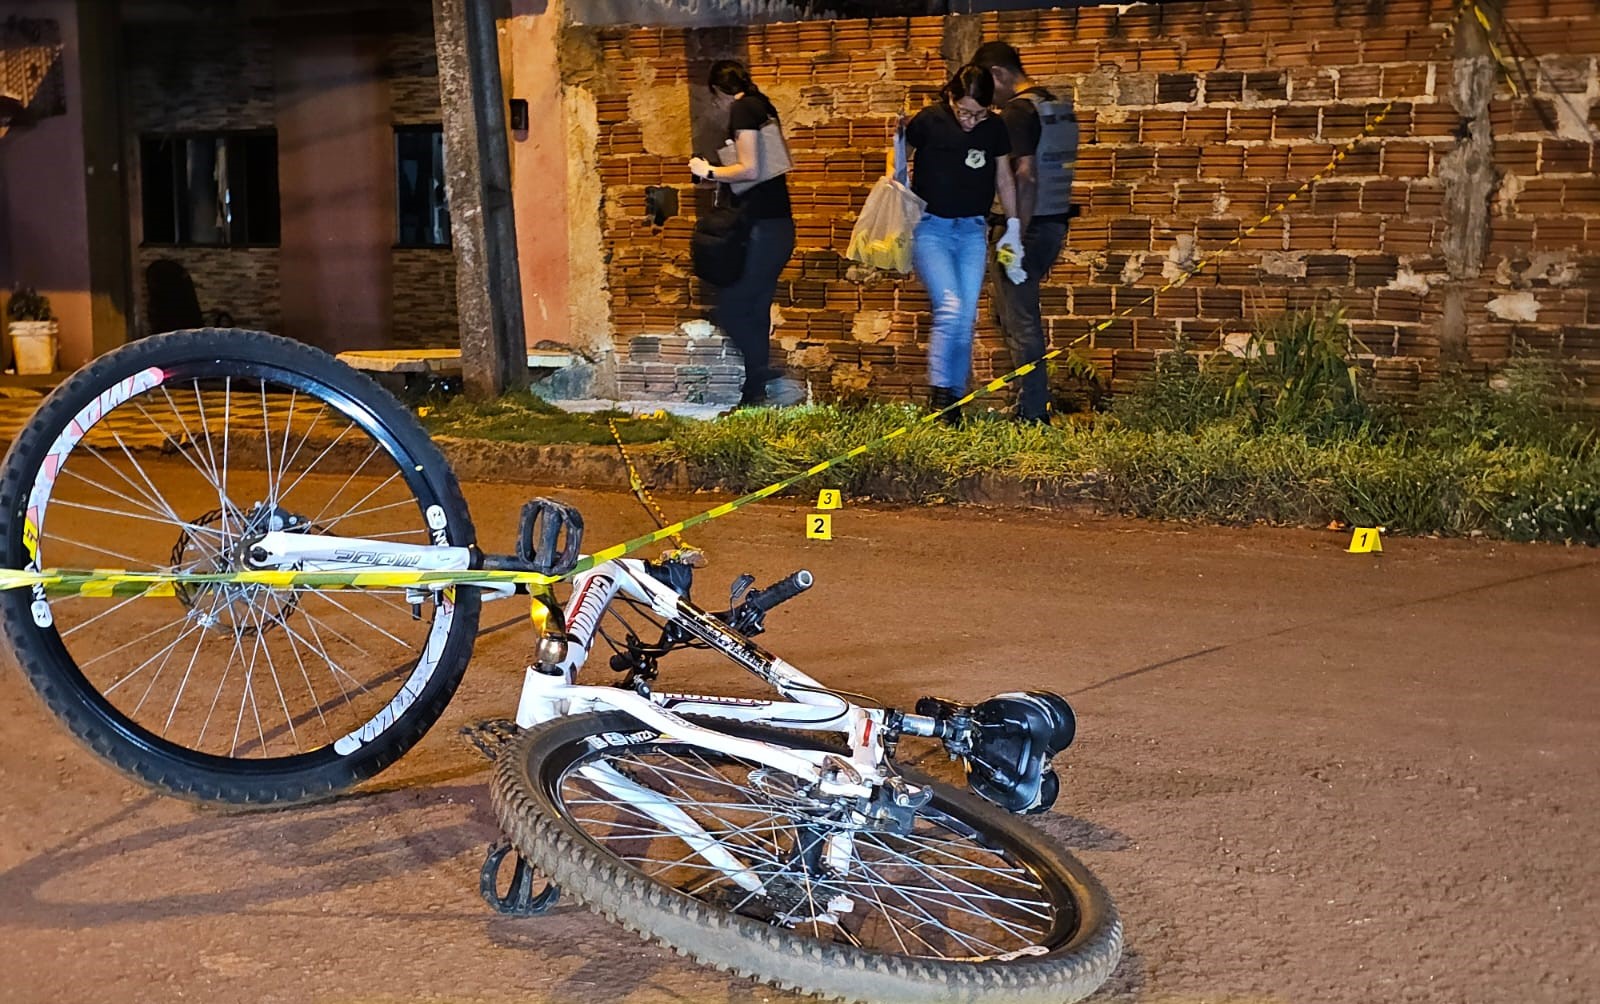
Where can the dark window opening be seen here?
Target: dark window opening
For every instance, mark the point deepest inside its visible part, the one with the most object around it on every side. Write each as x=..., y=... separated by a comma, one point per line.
x=211, y=190
x=422, y=210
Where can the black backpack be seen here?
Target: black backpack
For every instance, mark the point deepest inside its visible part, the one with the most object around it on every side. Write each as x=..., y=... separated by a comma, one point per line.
x=720, y=244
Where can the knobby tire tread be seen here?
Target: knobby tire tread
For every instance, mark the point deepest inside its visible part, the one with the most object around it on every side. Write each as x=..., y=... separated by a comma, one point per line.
x=716, y=938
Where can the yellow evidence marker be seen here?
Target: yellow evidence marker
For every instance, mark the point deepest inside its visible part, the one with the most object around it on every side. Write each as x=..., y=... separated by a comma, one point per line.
x=828, y=498
x=819, y=526
x=1365, y=540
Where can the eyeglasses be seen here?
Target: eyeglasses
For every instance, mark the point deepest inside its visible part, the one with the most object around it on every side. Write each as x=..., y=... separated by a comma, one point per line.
x=972, y=117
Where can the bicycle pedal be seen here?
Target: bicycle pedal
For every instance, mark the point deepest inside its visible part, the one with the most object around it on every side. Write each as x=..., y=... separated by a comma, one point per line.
x=491, y=736
x=519, y=900
x=550, y=537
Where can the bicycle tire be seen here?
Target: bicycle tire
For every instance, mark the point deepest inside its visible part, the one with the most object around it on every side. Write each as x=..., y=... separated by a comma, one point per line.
x=125, y=427
x=529, y=775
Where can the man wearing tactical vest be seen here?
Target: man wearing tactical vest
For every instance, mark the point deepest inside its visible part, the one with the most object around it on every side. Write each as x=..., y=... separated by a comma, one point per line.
x=1044, y=151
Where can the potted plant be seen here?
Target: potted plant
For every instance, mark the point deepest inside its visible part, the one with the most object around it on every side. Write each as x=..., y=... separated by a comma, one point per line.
x=33, y=331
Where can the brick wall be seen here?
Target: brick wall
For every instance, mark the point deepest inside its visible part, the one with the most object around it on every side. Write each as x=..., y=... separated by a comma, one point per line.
x=1196, y=119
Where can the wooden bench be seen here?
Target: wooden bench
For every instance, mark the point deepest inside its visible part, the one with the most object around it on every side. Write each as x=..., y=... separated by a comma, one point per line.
x=439, y=362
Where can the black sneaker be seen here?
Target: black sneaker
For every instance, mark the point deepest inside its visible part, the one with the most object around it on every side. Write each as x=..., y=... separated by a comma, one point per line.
x=783, y=392
x=940, y=398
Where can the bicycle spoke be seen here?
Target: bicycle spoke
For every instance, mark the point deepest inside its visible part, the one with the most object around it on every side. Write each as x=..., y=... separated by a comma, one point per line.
x=356, y=511
x=189, y=671
x=152, y=499
x=155, y=677
x=938, y=890
x=272, y=671
x=69, y=632
x=315, y=460
x=383, y=631
x=333, y=496
x=902, y=890
x=129, y=644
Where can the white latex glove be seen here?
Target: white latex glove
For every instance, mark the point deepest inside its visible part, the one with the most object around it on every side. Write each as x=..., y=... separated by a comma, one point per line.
x=700, y=167
x=1008, y=251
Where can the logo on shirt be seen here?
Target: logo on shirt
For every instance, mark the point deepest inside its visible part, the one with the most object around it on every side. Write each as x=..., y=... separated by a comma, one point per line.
x=976, y=159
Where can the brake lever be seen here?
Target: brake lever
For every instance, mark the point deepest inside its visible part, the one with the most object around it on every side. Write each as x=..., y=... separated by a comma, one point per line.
x=744, y=618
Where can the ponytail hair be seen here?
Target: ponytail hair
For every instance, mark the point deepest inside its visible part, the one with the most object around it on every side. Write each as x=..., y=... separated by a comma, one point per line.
x=729, y=76
x=971, y=81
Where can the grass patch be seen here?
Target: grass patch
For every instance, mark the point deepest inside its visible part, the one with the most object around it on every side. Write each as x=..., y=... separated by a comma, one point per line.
x=1282, y=433
x=1224, y=473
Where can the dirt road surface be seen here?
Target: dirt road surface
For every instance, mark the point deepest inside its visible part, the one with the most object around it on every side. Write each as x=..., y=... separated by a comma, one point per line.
x=1305, y=775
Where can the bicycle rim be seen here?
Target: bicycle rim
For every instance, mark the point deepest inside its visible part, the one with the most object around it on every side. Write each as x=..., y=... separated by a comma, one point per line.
x=174, y=469
x=935, y=887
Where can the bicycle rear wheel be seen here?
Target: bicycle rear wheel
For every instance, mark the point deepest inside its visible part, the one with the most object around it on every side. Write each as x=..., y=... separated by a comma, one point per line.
x=955, y=901
x=169, y=455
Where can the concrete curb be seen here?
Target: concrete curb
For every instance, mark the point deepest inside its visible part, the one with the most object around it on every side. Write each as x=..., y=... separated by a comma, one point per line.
x=600, y=467
x=563, y=464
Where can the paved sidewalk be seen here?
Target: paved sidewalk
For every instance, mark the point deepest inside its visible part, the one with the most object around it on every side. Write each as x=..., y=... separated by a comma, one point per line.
x=17, y=405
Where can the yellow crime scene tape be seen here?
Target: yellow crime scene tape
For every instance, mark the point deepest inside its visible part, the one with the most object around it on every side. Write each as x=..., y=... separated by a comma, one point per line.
x=112, y=582
x=118, y=582
x=640, y=490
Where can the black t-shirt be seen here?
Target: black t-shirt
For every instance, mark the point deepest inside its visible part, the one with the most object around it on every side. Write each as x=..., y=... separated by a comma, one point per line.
x=954, y=169
x=770, y=199
x=1021, y=117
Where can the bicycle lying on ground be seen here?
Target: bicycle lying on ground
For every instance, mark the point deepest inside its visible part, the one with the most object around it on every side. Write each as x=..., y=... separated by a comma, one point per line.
x=315, y=601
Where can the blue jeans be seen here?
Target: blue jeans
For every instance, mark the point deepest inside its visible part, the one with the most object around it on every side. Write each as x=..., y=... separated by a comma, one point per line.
x=949, y=256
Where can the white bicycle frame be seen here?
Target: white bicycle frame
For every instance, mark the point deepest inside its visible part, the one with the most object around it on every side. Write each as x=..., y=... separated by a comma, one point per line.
x=550, y=692
x=812, y=707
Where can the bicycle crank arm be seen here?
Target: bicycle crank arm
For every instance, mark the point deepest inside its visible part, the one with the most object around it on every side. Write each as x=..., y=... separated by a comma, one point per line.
x=317, y=552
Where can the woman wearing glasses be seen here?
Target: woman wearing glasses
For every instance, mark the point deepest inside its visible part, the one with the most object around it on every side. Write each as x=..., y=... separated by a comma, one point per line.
x=959, y=165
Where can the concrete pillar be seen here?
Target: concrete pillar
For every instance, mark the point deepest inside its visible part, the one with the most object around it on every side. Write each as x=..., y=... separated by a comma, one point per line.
x=1470, y=180
x=478, y=179
x=539, y=168
x=963, y=33
x=105, y=176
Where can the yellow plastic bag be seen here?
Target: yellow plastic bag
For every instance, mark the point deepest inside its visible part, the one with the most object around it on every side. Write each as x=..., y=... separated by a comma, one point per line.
x=882, y=234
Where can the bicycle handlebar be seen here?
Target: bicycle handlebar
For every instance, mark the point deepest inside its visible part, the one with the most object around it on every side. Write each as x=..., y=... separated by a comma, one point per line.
x=781, y=591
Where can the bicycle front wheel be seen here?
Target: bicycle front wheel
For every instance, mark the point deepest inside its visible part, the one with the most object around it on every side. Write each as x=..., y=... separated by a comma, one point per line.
x=743, y=868
x=173, y=454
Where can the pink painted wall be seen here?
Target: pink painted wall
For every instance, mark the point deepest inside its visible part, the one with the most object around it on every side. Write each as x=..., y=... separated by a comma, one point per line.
x=335, y=170
x=45, y=206
x=539, y=165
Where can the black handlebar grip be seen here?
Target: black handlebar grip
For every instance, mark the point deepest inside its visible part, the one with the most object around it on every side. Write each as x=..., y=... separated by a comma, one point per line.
x=780, y=592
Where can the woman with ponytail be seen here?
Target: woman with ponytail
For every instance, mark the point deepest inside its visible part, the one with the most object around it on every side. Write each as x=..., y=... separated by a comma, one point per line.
x=753, y=164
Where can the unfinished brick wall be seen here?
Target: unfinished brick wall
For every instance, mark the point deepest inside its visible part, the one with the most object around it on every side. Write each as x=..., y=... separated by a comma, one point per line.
x=1468, y=221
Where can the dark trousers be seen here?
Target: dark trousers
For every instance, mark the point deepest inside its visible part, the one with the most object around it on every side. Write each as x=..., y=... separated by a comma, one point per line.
x=1016, y=311
x=744, y=310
